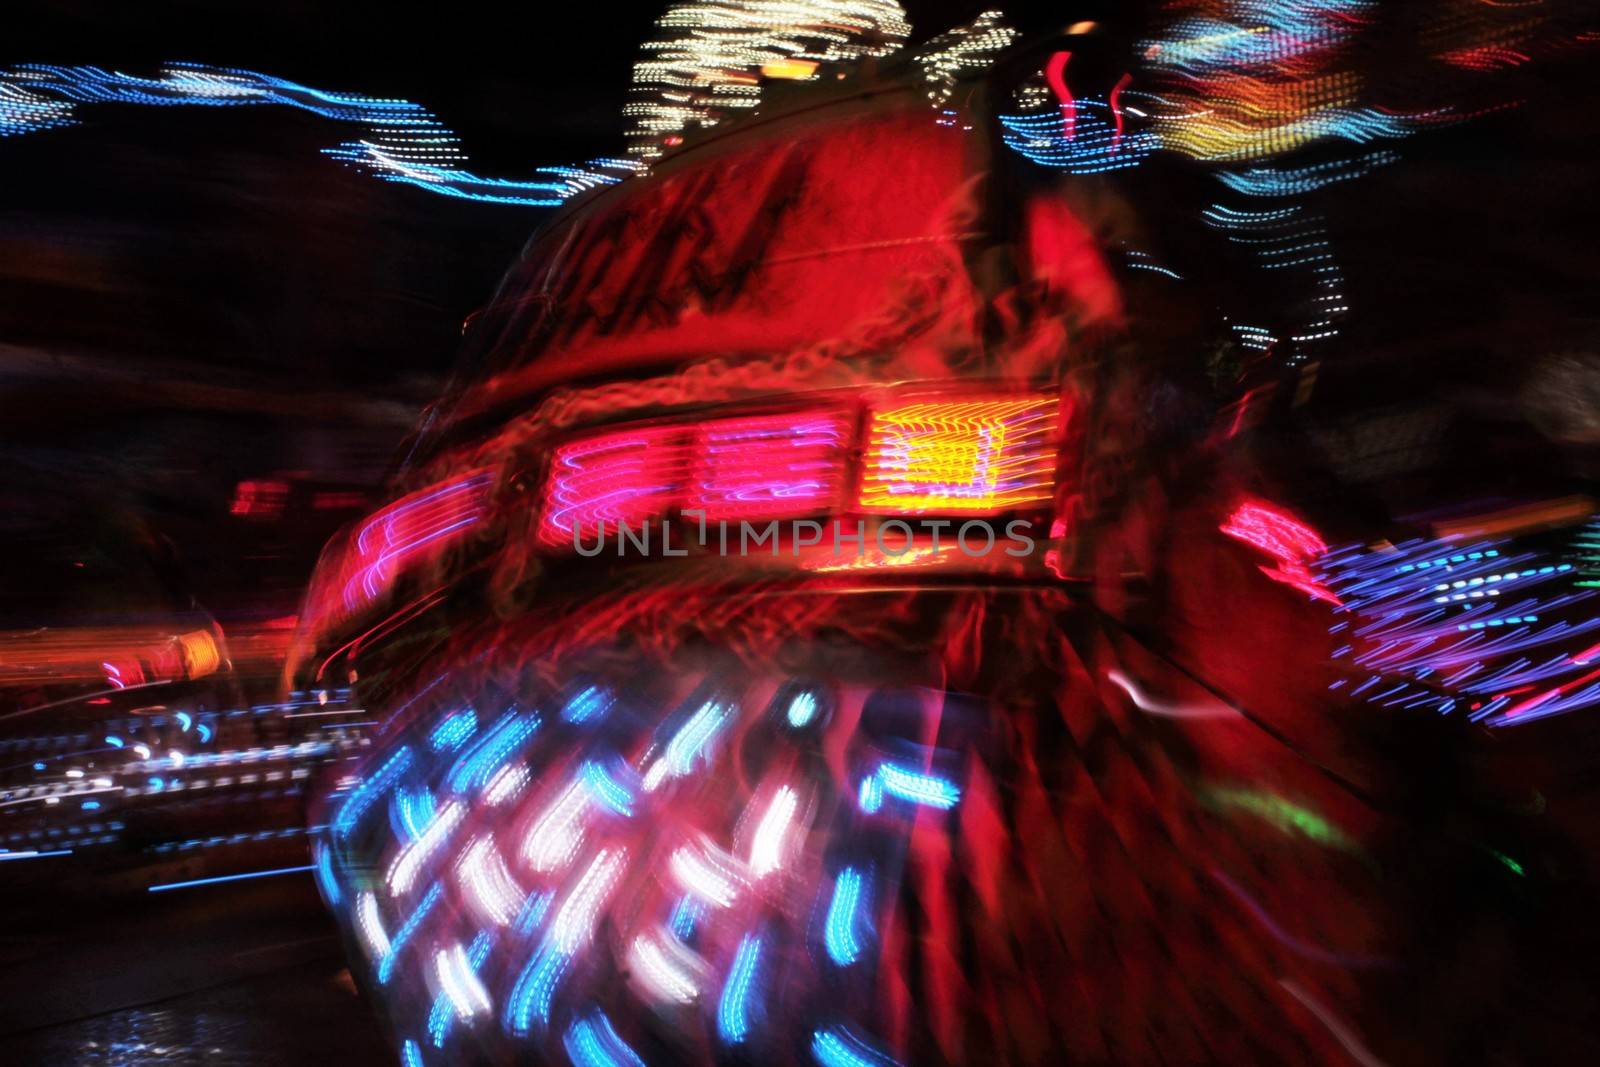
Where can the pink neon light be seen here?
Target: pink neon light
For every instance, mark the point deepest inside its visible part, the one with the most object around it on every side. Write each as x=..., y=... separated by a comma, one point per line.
x=789, y=464
x=1277, y=533
x=628, y=476
x=1290, y=541
x=1055, y=77
x=422, y=521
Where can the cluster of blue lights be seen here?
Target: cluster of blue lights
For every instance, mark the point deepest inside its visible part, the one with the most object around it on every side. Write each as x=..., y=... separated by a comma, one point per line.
x=1491, y=624
x=535, y=988
x=838, y=1047
x=453, y=730
x=1296, y=181
x=925, y=790
x=492, y=752
x=442, y=776
x=733, y=1010
x=839, y=929
x=593, y=1042
x=364, y=795
x=429, y=901
x=587, y=705
x=1093, y=145
x=400, y=141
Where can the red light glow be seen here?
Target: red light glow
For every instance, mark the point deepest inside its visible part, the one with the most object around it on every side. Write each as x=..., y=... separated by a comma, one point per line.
x=259, y=500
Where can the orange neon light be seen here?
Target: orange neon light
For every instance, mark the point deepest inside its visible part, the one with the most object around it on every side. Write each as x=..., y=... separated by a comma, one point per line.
x=200, y=653
x=960, y=456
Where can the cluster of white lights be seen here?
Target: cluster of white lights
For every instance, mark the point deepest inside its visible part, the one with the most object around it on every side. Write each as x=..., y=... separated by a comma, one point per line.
x=961, y=52
x=712, y=58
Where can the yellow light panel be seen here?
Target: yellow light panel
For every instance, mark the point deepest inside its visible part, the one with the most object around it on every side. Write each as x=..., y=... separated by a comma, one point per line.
x=200, y=653
x=980, y=456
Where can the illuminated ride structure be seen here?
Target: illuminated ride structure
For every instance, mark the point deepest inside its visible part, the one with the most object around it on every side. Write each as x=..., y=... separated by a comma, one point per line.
x=699, y=747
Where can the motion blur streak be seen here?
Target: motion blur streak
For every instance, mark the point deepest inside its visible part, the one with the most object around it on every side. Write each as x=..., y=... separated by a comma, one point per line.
x=697, y=873
x=406, y=867
x=119, y=657
x=665, y=968
x=766, y=850
x=461, y=985
x=1341, y=1030
x=531, y=995
x=1466, y=615
x=409, y=930
x=372, y=926
x=225, y=878
x=400, y=142
x=489, y=886
x=1151, y=706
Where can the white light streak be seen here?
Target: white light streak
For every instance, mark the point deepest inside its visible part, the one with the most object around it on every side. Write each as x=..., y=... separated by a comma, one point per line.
x=574, y=923
x=766, y=848
x=460, y=983
x=488, y=885
x=371, y=925
x=406, y=866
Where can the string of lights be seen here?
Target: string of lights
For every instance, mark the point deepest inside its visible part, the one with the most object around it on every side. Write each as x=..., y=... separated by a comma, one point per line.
x=400, y=141
x=712, y=59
